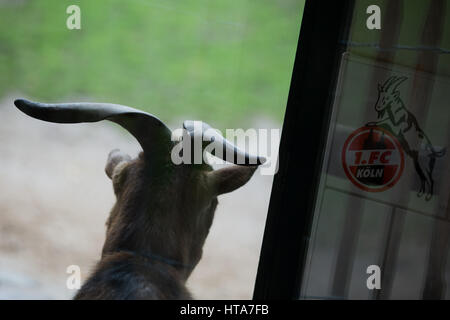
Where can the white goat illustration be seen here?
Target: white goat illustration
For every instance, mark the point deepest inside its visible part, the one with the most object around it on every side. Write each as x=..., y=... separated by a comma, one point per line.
x=404, y=126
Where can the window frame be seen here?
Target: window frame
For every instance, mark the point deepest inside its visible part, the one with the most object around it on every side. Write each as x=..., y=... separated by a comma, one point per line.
x=324, y=32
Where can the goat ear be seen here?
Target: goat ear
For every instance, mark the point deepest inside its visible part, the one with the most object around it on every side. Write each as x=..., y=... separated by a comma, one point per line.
x=114, y=158
x=230, y=178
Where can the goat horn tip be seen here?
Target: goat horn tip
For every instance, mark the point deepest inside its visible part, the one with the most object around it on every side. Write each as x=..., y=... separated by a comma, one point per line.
x=20, y=102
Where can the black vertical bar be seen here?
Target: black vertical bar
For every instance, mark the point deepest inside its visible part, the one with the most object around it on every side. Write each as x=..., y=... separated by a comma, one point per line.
x=314, y=77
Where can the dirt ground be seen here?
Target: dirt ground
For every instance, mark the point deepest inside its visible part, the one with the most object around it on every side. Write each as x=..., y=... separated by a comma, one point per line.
x=55, y=198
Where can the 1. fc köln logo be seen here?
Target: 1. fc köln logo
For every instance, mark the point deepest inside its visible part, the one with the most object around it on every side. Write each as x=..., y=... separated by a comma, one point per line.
x=373, y=159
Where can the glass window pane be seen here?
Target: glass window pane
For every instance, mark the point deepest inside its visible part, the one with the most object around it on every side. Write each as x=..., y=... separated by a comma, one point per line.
x=384, y=188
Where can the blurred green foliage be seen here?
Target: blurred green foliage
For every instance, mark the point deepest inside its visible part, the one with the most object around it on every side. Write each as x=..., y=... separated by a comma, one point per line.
x=218, y=60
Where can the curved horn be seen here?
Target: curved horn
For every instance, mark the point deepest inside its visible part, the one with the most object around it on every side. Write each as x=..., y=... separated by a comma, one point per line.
x=394, y=85
x=388, y=82
x=230, y=152
x=150, y=132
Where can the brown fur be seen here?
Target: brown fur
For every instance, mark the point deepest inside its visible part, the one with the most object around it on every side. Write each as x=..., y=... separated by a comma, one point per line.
x=162, y=215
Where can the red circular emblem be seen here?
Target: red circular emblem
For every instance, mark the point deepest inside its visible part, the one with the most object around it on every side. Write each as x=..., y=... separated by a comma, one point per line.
x=373, y=159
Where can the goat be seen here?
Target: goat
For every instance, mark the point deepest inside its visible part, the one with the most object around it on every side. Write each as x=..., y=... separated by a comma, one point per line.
x=163, y=212
x=404, y=126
